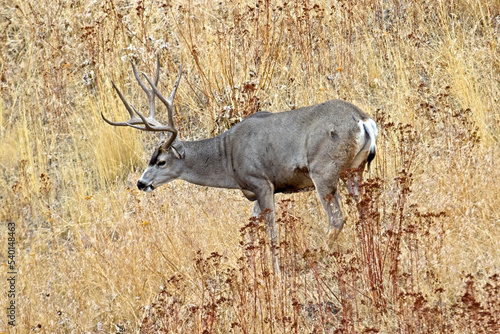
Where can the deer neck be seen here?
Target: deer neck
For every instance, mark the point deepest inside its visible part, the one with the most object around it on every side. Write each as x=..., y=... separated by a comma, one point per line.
x=206, y=163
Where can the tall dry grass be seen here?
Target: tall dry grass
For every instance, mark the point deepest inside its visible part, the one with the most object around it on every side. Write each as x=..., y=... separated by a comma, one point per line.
x=93, y=253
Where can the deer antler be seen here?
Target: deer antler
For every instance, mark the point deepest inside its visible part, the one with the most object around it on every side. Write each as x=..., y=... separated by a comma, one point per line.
x=150, y=123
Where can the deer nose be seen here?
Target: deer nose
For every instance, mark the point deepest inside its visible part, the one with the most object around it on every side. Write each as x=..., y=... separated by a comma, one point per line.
x=147, y=187
x=141, y=185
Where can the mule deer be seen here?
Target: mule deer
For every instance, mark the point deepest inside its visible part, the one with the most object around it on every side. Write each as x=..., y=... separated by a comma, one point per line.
x=266, y=153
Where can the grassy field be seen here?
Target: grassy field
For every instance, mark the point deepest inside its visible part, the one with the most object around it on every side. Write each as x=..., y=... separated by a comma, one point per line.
x=93, y=254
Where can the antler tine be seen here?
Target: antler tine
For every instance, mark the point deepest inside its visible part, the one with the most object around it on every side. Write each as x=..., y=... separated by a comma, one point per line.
x=157, y=78
x=169, y=104
x=172, y=96
x=138, y=78
x=133, y=119
x=174, y=90
x=149, y=92
x=127, y=106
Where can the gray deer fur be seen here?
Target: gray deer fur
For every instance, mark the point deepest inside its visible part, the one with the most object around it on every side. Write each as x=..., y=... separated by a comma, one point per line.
x=267, y=153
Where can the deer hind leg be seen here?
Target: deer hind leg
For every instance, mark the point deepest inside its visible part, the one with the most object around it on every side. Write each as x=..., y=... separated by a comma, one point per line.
x=329, y=197
x=354, y=179
x=336, y=221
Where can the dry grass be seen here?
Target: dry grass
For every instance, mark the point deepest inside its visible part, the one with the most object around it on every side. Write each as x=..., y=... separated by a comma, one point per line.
x=93, y=252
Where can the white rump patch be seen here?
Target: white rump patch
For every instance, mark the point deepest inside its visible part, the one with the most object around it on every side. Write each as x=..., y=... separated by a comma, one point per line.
x=366, y=144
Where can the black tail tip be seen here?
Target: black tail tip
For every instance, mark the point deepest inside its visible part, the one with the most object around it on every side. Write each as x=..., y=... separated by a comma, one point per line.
x=370, y=158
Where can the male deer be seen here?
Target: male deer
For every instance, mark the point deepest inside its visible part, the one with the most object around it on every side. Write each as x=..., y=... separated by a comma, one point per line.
x=266, y=153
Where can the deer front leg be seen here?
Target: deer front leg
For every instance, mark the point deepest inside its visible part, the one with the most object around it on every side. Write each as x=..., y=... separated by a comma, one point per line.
x=265, y=206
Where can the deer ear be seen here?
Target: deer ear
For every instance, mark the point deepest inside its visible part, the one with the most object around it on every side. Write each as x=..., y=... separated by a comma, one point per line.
x=178, y=149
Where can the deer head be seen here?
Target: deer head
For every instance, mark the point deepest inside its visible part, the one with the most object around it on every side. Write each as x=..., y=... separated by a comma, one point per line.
x=165, y=164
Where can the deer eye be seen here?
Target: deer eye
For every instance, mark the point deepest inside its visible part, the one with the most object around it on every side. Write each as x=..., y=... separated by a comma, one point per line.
x=161, y=163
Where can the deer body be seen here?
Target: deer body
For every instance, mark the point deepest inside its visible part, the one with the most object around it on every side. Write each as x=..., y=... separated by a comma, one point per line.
x=266, y=153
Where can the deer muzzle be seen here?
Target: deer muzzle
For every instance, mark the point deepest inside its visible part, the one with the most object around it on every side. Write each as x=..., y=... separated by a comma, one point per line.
x=145, y=186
